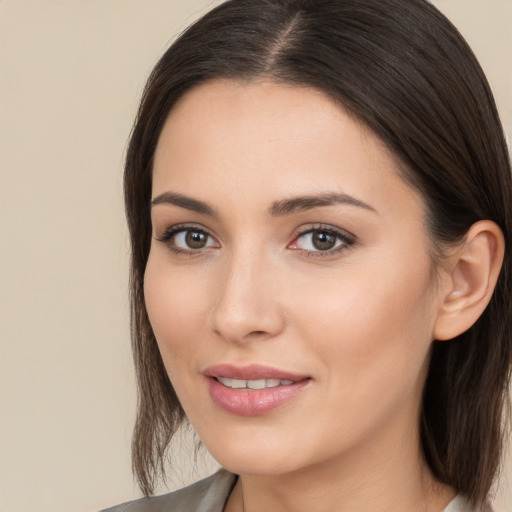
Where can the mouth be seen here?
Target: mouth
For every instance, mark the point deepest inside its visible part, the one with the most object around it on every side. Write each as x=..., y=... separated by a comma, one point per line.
x=253, y=384
x=253, y=390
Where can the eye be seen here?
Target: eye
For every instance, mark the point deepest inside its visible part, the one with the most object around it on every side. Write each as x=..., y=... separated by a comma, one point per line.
x=192, y=239
x=181, y=239
x=322, y=239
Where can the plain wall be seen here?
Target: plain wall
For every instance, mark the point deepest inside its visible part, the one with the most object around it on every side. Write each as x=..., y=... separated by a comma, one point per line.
x=71, y=74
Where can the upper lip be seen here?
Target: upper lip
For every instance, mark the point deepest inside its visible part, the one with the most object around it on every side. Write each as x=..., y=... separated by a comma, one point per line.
x=251, y=372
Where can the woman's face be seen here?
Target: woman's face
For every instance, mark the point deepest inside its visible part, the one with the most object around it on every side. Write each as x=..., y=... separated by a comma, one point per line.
x=289, y=282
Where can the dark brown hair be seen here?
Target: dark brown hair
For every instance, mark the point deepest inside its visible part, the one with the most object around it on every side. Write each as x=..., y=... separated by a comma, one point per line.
x=401, y=68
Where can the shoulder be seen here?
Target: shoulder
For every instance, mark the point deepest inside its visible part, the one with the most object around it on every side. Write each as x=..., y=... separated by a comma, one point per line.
x=207, y=495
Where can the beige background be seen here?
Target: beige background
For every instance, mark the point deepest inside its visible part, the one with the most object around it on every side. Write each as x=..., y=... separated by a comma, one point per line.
x=71, y=73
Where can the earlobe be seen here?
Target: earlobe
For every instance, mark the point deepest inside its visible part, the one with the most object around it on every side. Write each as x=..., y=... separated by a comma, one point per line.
x=474, y=271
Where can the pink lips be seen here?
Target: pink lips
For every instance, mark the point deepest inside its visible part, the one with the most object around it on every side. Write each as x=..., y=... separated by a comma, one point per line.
x=252, y=402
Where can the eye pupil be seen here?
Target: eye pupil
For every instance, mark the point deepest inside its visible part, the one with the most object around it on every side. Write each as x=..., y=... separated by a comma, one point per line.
x=195, y=239
x=323, y=241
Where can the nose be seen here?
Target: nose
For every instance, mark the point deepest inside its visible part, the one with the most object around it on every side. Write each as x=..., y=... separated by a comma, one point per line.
x=248, y=306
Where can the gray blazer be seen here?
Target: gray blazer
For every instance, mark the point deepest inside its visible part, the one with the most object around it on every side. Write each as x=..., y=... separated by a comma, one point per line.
x=208, y=495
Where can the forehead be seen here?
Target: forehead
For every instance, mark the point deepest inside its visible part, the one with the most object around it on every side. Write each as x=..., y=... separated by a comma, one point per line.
x=227, y=137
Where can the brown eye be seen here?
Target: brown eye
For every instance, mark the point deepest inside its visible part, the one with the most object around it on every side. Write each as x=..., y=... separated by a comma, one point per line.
x=183, y=239
x=323, y=241
x=195, y=239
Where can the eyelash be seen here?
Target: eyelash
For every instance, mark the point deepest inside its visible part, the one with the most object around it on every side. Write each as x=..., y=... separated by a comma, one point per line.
x=347, y=240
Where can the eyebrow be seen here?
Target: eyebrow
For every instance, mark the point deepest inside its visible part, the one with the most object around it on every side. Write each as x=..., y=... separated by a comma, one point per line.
x=303, y=203
x=277, y=209
x=184, y=202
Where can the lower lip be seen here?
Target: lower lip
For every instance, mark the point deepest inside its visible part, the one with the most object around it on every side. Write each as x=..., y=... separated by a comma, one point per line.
x=249, y=402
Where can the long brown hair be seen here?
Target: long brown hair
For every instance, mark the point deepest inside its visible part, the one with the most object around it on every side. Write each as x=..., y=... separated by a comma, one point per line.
x=401, y=68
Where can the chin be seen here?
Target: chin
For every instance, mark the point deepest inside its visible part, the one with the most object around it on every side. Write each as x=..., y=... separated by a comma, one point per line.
x=267, y=457
x=257, y=457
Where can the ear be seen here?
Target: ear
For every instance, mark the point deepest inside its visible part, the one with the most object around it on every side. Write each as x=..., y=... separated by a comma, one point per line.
x=470, y=281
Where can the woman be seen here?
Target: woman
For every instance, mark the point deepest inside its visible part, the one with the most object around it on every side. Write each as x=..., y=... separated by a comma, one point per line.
x=319, y=202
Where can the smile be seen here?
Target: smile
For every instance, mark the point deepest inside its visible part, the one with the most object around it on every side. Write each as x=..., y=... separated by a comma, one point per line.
x=253, y=390
x=253, y=384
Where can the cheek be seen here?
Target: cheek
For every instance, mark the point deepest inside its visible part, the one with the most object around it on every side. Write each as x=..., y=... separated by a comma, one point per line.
x=174, y=302
x=371, y=342
x=369, y=323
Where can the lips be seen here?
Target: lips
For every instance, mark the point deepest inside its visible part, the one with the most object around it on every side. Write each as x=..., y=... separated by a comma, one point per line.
x=252, y=390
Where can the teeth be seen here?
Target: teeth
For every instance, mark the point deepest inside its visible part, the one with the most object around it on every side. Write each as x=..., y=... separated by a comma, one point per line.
x=253, y=384
x=257, y=384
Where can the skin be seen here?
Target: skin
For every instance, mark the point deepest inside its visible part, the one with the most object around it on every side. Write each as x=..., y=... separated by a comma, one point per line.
x=358, y=320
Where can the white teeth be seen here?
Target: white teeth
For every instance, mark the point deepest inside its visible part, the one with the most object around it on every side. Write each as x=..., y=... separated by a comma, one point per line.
x=226, y=382
x=253, y=384
x=256, y=384
x=238, y=384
